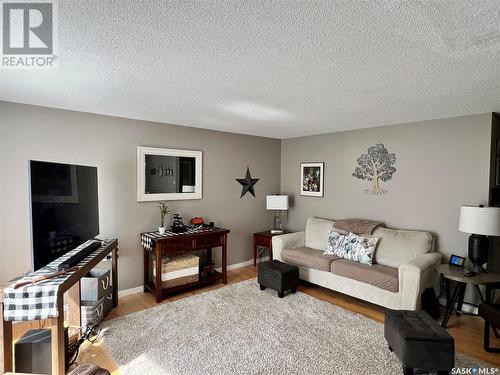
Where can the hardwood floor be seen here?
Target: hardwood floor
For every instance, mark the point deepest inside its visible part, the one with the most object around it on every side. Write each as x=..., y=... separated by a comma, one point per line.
x=467, y=330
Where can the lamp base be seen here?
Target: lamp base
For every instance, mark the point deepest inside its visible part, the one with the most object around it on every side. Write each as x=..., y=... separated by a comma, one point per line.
x=276, y=231
x=478, y=252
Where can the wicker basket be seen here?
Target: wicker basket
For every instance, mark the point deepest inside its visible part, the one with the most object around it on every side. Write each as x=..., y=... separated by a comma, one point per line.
x=175, y=265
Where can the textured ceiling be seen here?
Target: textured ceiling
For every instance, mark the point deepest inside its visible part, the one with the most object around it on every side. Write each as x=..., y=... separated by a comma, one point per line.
x=271, y=68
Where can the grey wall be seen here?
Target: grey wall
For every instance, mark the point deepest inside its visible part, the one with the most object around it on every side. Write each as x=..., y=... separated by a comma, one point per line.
x=30, y=132
x=440, y=165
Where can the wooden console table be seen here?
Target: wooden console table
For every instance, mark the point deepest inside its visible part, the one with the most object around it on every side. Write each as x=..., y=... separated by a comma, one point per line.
x=69, y=292
x=180, y=244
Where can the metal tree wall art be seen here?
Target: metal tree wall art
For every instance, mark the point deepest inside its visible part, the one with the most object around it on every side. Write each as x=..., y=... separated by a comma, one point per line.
x=375, y=166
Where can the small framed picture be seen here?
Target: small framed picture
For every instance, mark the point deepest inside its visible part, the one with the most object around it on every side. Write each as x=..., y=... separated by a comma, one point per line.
x=456, y=260
x=312, y=179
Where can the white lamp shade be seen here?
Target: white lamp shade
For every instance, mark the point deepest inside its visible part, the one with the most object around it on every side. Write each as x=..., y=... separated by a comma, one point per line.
x=480, y=220
x=277, y=202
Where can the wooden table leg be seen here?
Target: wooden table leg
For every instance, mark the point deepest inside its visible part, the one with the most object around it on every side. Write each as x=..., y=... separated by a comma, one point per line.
x=209, y=255
x=224, y=260
x=447, y=290
x=114, y=276
x=479, y=292
x=159, y=270
x=57, y=340
x=72, y=298
x=450, y=305
x=460, y=300
x=7, y=344
x=254, y=251
x=146, y=269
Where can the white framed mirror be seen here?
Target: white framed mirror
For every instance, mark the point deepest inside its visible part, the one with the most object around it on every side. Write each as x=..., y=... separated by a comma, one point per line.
x=168, y=174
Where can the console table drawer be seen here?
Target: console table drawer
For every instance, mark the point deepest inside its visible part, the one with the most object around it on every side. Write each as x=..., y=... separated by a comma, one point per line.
x=208, y=241
x=177, y=246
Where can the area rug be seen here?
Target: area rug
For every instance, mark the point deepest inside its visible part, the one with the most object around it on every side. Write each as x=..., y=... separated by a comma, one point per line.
x=239, y=329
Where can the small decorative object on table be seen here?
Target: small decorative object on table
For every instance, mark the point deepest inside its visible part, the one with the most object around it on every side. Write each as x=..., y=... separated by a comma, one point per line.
x=177, y=224
x=456, y=260
x=208, y=270
x=278, y=276
x=277, y=203
x=164, y=211
x=197, y=221
x=419, y=342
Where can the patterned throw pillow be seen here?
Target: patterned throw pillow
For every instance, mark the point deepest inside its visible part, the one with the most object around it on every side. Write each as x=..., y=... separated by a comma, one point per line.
x=352, y=247
x=336, y=239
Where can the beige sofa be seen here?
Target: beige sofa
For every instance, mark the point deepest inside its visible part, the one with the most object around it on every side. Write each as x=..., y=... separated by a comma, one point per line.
x=404, y=264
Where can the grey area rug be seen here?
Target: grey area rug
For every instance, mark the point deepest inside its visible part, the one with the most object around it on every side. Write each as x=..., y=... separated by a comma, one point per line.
x=239, y=329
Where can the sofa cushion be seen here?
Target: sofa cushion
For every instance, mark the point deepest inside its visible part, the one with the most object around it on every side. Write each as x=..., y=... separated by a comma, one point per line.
x=307, y=257
x=396, y=247
x=376, y=274
x=317, y=231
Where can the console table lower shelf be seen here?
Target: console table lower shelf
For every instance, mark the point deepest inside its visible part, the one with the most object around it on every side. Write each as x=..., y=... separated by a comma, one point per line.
x=173, y=245
x=203, y=281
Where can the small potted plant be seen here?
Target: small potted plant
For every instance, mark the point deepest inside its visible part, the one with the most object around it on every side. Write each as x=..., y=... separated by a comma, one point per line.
x=164, y=211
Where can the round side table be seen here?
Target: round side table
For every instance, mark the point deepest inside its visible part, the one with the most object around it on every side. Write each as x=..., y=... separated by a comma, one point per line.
x=491, y=280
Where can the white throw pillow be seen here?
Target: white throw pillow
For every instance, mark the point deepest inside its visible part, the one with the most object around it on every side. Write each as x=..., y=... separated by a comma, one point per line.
x=336, y=240
x=352, y=247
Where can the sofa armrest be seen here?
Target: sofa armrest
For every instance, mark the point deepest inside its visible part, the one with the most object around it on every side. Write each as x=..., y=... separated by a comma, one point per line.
x=287, y=241
x=416, y=276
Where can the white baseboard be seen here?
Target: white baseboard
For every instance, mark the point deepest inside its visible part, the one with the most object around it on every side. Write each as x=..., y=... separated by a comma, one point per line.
x=243, y=264
x=139, y=289
x=128, y=292
x=466, y=308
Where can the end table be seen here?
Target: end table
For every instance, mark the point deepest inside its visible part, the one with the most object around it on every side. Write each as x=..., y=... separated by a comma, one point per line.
x=490, y=280
x=265, y=240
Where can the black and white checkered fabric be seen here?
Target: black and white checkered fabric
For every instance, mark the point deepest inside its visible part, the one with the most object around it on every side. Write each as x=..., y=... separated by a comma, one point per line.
x=148, y=239
x=39, y=301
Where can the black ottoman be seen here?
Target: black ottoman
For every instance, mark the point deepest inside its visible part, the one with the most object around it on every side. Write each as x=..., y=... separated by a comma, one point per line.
x=419, y=341
x=278, y=276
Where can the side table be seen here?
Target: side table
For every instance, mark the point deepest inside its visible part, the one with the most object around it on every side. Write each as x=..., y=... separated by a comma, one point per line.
x=263, y=239
x=490, y=280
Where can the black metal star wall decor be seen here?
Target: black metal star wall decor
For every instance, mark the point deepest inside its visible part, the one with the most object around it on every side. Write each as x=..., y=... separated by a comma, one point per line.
x=248, y=182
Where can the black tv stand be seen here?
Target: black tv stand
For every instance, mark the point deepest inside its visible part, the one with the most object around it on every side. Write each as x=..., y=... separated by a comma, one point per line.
x=87, y=248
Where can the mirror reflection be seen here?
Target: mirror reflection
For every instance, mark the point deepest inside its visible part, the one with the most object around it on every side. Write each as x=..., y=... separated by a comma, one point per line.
x=170, y=174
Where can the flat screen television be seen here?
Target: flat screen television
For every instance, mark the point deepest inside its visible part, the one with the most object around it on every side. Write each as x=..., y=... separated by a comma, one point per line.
x=64, y=209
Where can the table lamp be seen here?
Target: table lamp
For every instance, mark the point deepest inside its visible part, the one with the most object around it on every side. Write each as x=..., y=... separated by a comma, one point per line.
x=277, y=203
x=480, y=222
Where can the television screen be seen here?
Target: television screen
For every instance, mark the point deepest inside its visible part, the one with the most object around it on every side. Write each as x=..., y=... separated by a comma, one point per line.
x=64, y=209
